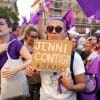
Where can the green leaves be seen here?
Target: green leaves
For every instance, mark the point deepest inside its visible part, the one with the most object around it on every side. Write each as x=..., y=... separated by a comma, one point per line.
x=8, y=12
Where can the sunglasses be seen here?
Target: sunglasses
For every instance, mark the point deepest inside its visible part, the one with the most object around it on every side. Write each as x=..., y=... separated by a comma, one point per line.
x=58, y=29
x=34, y=37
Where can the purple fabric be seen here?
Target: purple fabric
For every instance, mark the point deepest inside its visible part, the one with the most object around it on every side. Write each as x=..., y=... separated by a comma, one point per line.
x=97, y=15
x=12, y=36
x=35, y=18
x=90, y=7
x=24, y=21
x=91, y=84
x=48, y=3
x=98, y=78
x=59, y=85
x=13, y=51
x=68, y=18
x=94, y=66
x=88, y=97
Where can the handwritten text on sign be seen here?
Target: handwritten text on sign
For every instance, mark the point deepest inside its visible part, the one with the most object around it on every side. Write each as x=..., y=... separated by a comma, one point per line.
x=52, y=55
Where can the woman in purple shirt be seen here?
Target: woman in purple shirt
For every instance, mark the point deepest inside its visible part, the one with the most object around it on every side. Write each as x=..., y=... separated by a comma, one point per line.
x=15, y=49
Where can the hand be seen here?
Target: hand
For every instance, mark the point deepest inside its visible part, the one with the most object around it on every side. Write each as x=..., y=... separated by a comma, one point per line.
x=3, y=47
x=41, y=7
x=9, y=72
x=66, y=81
x=29, y=71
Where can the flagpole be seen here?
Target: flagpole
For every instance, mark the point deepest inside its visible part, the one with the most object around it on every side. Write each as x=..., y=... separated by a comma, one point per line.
x=91, y=29
x=35, y=3
x=43, y=13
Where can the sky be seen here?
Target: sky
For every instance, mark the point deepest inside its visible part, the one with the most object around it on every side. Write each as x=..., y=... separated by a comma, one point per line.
x=24, y=9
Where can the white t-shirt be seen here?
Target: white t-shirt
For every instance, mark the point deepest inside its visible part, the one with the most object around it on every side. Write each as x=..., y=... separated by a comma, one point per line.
x=49, y=81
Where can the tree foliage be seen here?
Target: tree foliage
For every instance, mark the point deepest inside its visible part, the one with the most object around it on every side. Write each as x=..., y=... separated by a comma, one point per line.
x=8, y=12
x=94, y=29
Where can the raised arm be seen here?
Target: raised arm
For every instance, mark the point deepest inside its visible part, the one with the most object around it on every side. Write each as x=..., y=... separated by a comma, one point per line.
x=43, y=21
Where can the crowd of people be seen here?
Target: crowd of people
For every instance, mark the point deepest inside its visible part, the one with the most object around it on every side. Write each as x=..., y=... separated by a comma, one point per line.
x=17, y=42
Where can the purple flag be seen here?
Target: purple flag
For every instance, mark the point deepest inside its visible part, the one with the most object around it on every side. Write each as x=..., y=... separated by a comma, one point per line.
x=97, y=15
x=24, y=21
x=48, y=3
x=68, y=18
x=90, y=7
x=34, y=19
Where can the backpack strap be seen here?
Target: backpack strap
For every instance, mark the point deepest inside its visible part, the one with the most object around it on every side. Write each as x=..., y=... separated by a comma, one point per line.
x=71, y=66
x=8, y=45
x=78, y=96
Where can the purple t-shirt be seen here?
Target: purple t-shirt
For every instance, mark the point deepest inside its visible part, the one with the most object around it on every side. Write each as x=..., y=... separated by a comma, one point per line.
x=12, y=36
x=13, y=50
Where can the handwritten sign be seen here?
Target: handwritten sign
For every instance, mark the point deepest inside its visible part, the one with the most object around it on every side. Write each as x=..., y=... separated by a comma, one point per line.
x=51, y=55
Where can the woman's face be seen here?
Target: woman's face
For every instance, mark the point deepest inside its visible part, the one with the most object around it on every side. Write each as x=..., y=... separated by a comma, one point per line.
x=74, y=42
x=4, y=29
x=32, y=35
x=93, y=40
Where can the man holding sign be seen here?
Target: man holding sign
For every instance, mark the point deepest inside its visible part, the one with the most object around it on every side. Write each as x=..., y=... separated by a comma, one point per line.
x=58, y=85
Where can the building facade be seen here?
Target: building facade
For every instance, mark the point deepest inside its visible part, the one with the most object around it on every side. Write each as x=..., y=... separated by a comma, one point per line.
x=60, y=7
x=8, y=3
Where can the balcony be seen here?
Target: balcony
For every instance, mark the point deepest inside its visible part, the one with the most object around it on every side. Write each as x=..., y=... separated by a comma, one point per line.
x=55, y=13
x=56, y=8
x=81, y=20
x=57, y=5
x=76, y=7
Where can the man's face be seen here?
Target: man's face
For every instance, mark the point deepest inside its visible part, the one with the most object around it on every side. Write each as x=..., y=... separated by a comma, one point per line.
x=55, y=30
x=4, y=29
x=17, y=32
x=88, y=47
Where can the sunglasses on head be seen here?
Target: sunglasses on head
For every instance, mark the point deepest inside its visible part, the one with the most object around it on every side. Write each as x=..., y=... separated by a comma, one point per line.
x=50, y=29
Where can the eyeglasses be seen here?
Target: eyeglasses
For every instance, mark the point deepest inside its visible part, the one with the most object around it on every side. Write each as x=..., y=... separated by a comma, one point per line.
x=34, y=37
x=50, y=29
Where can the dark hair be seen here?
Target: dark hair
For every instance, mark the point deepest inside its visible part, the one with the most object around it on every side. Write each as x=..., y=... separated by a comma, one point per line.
x=14, y=26
x=9, y=23
x=30, y=30
x=97, y=37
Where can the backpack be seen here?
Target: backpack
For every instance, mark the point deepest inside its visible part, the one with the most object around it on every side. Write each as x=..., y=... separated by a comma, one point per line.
x=91, y=80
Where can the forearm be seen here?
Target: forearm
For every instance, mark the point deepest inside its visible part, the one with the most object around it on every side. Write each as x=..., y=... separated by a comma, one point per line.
x=79, y=87
x=41, y=28
x=23, y=66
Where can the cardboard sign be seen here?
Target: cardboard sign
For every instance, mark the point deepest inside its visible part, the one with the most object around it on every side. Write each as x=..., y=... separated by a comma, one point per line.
x=51, y=55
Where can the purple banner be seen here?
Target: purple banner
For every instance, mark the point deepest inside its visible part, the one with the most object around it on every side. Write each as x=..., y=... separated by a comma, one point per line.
x=69, y=19
x=90, y=7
